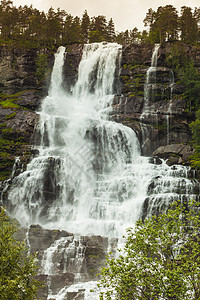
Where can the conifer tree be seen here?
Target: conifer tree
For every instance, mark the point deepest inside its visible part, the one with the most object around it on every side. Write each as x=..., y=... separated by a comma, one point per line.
x=85, y=26
x=188, y=25
x=111, y=31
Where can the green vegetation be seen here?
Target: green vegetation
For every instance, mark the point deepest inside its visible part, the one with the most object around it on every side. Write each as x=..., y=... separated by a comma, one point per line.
x=195, y=126
x=9, y=104
x=9, y=101
x=30, y=28
x=12, y=141
x=188, y=75
x=166, y=25
x=190, y=79
x=11, y=116
x=17, y=267
x=7, y=158
x=41, y=66
x=160, y=260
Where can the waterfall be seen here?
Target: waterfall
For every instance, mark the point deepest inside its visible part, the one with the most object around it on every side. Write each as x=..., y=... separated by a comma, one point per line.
x=150, y=80
x=83, y=177
x=169, y=112
x=149, y=93
x=89, y=177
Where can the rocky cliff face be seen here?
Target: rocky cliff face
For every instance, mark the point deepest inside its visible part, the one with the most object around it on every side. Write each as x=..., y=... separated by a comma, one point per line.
x=163, y=131
x=166, y=123
x=20, y=95
x=167, y=120
x=24, y=80
x=76, y=258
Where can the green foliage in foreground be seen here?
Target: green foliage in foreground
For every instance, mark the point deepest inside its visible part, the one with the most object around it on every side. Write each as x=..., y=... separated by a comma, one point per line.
x=190, y=80
x=17, y=268
x=160, y=260
x=188, y=75
x=195, y=126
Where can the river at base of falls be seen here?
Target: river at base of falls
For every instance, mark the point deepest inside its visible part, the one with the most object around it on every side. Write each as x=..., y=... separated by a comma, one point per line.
x=89, y=177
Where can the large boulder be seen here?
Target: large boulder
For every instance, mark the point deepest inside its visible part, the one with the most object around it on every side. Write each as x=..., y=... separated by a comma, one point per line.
x=175, y=153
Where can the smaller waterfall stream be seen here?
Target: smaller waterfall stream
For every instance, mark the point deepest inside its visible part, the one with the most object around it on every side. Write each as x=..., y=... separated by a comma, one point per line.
x=149, y=93
x=84, y=171
x=150, y=80
x=169, y=112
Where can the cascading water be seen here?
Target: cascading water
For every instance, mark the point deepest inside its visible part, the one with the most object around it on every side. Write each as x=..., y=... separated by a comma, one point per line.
x=169, y=113
x=150, y=80
x=83, y=173
x=149, y=92
x=89, y=177
x=158, y=87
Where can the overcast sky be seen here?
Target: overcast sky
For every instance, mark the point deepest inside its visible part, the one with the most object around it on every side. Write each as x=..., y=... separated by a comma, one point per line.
x=126, y=14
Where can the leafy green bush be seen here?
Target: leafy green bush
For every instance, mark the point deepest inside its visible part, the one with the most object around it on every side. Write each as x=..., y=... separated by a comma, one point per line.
x=160, y=260
x=195, y=126
x=17, y=267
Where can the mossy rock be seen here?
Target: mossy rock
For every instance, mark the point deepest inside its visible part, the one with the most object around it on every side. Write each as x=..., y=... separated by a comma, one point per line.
x=10, y=116
x=6, y=165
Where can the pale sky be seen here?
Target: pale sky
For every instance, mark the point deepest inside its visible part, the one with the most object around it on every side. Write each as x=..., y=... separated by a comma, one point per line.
x=126, y=14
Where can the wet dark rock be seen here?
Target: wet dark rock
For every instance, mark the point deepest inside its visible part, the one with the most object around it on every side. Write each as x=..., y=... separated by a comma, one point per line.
x=75, y=296
x=60, y=281
x=66, y=266
x=167, y=119
x=96, y=250
x=70, y=69
x=42, y=292
x=23, y=123
x=51, y=188
x=40, y=239
x=21, y=94
x=172, y=160
x=155, y=160
x=137, y=53
x=176, y=153
x=30, y=99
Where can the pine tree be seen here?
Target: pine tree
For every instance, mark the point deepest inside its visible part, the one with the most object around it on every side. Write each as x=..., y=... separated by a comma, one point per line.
x=134, y=35
x=85, y=26
x=98, y=29
x=76, y=32
x=163, y=24
x=188, y=25
x=111, y=31
x=67, y=29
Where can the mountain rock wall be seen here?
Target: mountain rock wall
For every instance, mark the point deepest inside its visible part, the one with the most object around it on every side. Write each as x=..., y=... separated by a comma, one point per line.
x=22, y=90
x=168, y=118
x=20, y=94
x=163, y=131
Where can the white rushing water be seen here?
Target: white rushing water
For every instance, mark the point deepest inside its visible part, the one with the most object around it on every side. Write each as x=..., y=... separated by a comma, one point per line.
x=89, y=176
x=83, y=179
x=149, y=92
x=150, y=80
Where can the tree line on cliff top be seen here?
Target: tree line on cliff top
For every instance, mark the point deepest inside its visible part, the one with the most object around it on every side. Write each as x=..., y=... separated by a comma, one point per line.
x=30, y=27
